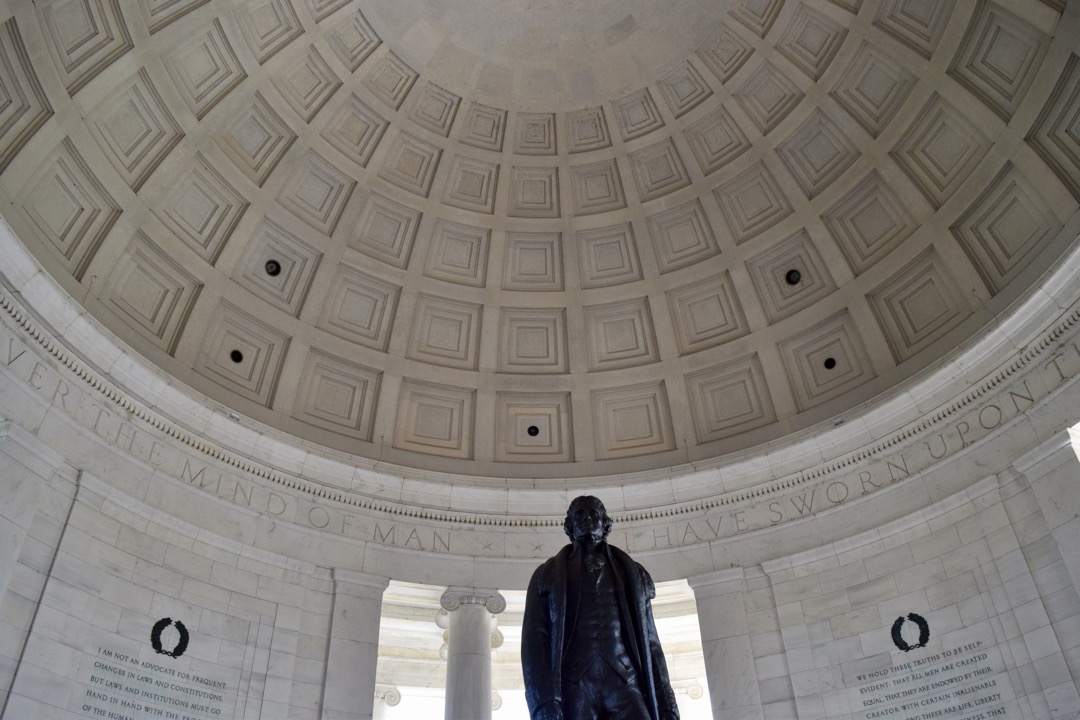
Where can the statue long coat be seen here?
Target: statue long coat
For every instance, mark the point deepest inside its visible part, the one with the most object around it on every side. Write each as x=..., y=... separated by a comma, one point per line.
x=550, y=615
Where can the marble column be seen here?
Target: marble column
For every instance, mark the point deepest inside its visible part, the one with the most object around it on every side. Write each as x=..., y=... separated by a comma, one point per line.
x=468, y=660
x=725, y=640
x=349, y=693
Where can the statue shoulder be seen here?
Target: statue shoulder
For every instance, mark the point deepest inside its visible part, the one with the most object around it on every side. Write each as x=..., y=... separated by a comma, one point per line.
x=550, y=567
x=644, y=577
x=624, y=559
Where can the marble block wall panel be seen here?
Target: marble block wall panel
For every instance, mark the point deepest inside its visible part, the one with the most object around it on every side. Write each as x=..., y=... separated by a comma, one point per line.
x=964, y=607
x=353, y=647
x=729, y=660
x=769, y=662
x=140, y=609
x=35, y=496
x=1040, y=499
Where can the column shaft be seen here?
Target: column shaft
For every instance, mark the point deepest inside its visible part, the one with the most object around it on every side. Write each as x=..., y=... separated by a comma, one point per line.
x=468, y=661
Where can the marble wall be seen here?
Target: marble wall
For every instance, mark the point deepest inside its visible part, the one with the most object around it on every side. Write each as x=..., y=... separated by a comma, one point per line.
x=130, y=611
x=966, y=609
x=36, y=491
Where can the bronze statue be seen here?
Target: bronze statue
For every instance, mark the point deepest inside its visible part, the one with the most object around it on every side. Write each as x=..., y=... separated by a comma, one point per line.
x=589, y=649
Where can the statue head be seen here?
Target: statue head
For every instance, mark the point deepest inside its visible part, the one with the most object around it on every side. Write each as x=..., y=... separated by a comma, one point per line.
x=587, y=520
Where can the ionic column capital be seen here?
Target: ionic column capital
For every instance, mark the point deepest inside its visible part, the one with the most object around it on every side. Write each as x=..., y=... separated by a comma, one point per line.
x=455, y=597
x=389, y=694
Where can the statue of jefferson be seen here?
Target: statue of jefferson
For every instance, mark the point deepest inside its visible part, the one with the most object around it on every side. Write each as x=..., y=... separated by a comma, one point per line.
x=589, y=649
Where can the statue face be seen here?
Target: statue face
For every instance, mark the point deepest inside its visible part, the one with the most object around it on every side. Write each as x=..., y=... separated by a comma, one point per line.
x=585, y=520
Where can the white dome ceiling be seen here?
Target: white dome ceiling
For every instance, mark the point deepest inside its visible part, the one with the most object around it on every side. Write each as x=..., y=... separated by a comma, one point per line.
x=542, y=238
x=544, y=55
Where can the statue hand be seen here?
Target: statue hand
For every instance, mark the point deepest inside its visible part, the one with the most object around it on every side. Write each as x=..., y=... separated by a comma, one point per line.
x=550, y=711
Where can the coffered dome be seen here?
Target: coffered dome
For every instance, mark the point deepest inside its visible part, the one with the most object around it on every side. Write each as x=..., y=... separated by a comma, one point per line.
x=547, y=239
